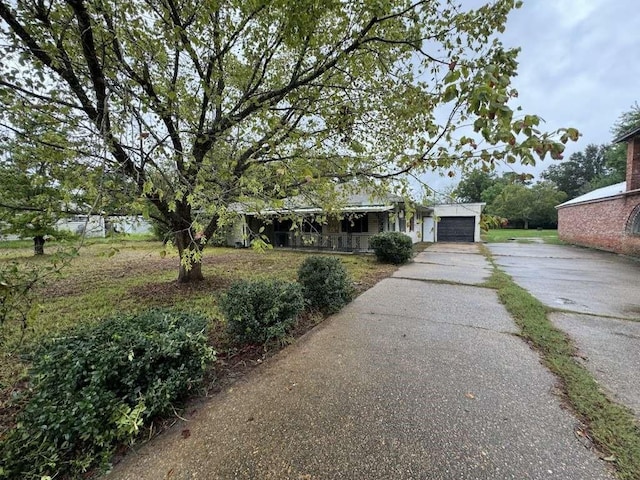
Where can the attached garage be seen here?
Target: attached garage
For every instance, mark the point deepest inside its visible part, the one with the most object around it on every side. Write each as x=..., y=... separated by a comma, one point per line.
x=456, y=222
x=456, y=229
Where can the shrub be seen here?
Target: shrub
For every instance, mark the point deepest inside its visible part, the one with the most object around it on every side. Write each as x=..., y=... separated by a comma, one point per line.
x=260, y=310
x=392, y=247
x=325, y=283
x=98, y=385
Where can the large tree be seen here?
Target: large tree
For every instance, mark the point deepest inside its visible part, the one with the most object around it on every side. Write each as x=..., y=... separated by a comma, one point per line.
x=39, y=180
x=201, y=104
x=472, y=184
x=528, y=205
x=598, y=165
x=573, y=176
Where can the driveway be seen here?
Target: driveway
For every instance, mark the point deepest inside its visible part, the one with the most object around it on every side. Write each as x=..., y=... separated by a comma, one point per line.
x=418, y=378
x=598, y=298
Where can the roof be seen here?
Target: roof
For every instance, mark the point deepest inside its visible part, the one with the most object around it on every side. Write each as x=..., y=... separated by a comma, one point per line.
x=598, y=194
x=627, y=135
x=359, y=202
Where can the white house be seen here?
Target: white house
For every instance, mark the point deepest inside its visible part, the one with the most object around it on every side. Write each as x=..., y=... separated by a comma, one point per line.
x=362, y=217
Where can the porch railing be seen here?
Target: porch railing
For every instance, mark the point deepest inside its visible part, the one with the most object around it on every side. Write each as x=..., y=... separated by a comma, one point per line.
x=339, y=242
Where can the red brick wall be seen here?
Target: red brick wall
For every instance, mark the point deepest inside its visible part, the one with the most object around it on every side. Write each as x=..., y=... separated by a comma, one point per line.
x=633, y=163
x=601, y=224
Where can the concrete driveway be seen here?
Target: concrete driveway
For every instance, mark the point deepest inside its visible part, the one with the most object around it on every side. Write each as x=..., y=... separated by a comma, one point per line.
x=417, y=378
x=598, y=294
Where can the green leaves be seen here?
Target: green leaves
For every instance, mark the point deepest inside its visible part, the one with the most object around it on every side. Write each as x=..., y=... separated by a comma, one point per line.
x=98, y=386
x=255, y=101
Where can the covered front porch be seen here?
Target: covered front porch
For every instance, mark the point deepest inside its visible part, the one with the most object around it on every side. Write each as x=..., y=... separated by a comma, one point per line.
x=349, y=234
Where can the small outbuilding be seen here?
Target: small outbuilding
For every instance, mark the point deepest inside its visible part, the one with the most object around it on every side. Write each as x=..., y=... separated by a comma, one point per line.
x=607, y=218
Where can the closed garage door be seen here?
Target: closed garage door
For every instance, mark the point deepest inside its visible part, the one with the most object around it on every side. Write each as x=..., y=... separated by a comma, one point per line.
x=456, y=229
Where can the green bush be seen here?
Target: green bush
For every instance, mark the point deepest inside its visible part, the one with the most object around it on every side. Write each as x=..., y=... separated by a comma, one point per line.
x=98, y=385
x=392, y=247
x=325, y=283
x=260, y=310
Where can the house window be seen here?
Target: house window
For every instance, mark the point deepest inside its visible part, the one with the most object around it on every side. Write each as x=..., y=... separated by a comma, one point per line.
x=634, y=221
x=356, y=224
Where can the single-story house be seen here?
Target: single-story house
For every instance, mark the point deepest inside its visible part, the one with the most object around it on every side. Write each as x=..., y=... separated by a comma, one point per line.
x=607, y=218
x=101, y=225
x=362, y=217
x=97, y=226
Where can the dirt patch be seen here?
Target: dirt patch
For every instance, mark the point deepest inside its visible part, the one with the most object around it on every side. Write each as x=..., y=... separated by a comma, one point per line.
x=163, y=293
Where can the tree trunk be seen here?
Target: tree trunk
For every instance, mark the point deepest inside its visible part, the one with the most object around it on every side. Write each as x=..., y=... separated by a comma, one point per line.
x=190, y=251
x=526, y=224
x=38, y=245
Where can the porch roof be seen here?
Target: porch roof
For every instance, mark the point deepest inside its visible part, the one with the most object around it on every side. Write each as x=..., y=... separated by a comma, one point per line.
x=315, y=210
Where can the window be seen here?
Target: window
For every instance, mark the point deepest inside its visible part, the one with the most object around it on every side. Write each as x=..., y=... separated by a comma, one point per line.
x=634, y=221
x=356, y=224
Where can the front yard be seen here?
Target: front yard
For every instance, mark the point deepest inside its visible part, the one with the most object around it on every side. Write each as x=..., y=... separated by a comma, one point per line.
x=130, y=276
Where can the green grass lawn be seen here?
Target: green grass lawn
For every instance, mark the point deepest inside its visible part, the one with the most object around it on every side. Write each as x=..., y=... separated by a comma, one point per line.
x=502, y=235
x=125, y=276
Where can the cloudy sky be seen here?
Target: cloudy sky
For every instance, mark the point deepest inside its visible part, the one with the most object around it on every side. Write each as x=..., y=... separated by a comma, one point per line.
x=579, y=66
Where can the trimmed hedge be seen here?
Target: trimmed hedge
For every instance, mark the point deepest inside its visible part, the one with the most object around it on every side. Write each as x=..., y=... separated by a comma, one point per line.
x=392, y=247
x=325, y=283
x=97, y=386
x=261, y=310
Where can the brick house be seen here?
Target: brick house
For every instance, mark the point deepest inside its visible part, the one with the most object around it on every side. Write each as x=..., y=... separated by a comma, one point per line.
x=607, y=218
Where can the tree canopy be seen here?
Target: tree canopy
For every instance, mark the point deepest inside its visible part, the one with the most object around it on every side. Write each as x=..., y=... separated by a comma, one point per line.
x=528, y=205
x=598, y=165
x=575, y=175
x=513, y=197
x=189, y=107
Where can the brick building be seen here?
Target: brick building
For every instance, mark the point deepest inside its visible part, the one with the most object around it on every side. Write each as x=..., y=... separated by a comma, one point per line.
x=607, y=218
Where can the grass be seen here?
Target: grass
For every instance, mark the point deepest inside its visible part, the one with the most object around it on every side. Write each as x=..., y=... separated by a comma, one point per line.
x=502, y=235
x=125, y=276
x=612, y=427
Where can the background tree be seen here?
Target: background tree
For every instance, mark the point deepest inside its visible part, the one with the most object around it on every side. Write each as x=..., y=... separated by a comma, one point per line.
x=574, y=176
x=598, y=165
x=616, y=155
x=529, y=206
x=37, y=185
x=473, y=184
x=203, y=105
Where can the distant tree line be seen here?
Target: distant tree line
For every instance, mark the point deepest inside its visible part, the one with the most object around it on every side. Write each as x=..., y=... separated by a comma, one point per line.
x=528, y=205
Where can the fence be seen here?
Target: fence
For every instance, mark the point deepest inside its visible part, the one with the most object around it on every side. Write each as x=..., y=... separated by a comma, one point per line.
x=338, y=242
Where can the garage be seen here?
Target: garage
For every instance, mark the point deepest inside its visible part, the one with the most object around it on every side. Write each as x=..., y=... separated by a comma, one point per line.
x=456, y=229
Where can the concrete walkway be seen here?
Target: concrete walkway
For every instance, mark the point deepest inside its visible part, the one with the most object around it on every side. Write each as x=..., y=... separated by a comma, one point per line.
x=600, y=295
x=415, y=379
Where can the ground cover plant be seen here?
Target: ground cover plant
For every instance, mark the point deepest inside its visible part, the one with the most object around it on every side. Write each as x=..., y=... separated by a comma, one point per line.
x=96, y=386
x=119, y=276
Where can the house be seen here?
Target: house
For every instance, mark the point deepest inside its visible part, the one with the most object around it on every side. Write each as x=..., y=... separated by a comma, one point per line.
x=362, y=217
x=101, y=225
x=607, y=218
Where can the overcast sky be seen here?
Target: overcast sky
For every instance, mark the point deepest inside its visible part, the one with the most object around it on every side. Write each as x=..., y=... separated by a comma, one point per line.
x=579, y=66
